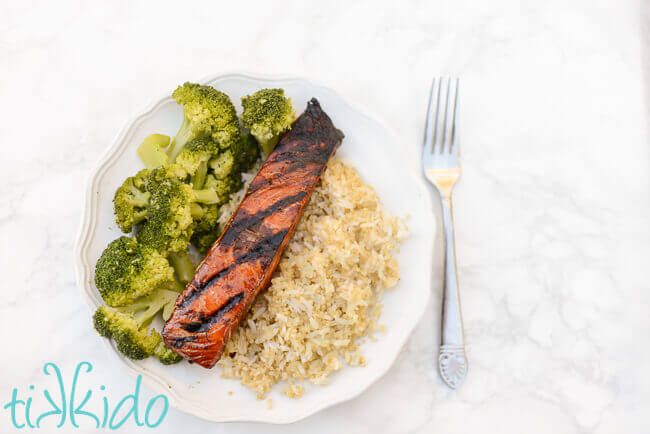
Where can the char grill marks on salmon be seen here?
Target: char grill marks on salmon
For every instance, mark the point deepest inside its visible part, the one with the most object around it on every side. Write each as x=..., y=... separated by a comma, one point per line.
x=241, y=263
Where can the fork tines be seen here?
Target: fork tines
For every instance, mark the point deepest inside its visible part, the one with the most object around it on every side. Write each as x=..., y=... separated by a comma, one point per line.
x=440, y=130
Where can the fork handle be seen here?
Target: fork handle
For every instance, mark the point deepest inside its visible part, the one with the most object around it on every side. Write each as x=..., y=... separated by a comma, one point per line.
x=452, y=361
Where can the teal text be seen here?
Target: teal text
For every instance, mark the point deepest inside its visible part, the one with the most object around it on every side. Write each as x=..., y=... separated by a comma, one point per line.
x=70, y=408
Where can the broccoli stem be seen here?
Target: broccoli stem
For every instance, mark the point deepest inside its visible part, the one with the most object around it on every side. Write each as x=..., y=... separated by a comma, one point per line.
x=167, y=311
x=197, y=211
x=148, y=307
x=145, y=309
x=174, y=285
x=269, y=145
x=151, y=151
x=206, y=196
x=198, y=179
x=183, y=265
x=184, y=135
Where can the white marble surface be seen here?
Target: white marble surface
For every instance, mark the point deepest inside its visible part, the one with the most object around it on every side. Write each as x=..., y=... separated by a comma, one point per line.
x=552, y=211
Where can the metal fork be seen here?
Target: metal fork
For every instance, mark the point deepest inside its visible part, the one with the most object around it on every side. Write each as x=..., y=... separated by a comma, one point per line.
x=442, y=168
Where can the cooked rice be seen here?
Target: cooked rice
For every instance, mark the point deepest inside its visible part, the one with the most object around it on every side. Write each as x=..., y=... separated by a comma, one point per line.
x=326, y=292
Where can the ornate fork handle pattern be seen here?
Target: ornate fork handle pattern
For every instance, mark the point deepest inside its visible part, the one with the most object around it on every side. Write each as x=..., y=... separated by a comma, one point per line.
x=453, y=364
x=452, y=361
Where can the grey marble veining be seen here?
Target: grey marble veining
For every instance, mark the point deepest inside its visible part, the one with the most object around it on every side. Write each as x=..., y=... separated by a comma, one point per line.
x=551, y=212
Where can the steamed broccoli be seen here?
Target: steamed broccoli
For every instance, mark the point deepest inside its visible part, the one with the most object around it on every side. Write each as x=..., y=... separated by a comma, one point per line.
x=173, y=206
x=176, y=200
x=183, y=265
x=206, y=230
x=224, y=165
x=151, y=150
x=267, y=114
x=128, y=326
x=195, y=157
x=127, y=270
x=166, y=355
x=206, y=112
x=131, y=200
x=223, y=188
x=202, y=157
x=218, y=171
x=250, y=152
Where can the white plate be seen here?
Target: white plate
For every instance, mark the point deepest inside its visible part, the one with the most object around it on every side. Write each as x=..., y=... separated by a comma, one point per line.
x=383, y=163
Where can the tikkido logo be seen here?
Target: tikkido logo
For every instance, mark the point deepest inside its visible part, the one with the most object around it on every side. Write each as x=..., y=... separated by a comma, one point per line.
x=65, y=410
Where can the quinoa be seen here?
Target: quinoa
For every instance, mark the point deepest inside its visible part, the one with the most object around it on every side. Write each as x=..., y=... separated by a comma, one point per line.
x=325, y=295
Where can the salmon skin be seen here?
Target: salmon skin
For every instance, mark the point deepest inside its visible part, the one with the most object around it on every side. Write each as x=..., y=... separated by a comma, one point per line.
x=241, y=262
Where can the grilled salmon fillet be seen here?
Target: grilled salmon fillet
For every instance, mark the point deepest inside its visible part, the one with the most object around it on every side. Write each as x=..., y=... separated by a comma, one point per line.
x=242, y=261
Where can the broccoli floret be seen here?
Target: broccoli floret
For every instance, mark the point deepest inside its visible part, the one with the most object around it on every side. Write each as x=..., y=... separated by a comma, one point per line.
x=127, y=270
x=223, y=165
x=183, y=265
x=173, y=206
x=194, y=159
x=167, y=182
x=223, y=188
x=206, y=112
x=250, y=152
x=165, y=355
x=203, y=240
x=267, y=114
x=131, y=200
x=218, y=171
x=156, y=237
x=203, y=156
x=207, y=231
x=132, y=340
x=128, y=326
